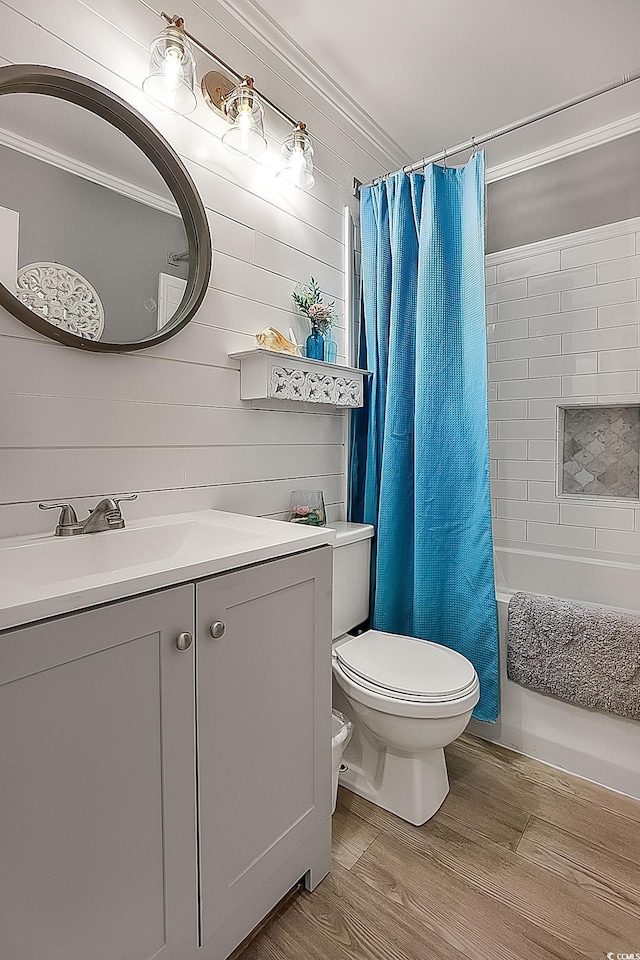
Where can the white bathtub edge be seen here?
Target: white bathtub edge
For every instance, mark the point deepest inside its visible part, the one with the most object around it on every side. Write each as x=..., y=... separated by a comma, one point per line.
x=594, y=746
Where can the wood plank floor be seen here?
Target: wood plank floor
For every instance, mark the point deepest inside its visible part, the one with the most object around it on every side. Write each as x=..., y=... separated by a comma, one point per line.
x=522, y=862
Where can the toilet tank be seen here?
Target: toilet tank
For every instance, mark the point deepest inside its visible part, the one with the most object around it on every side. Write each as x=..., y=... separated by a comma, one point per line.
x=351, y=575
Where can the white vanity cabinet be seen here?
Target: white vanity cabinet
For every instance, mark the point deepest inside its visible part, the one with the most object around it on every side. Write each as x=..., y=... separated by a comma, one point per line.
x=97, y=766
x=122, y=745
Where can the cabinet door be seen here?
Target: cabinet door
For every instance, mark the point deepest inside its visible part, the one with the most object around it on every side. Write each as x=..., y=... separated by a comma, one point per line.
x=97, y=804
x=264, y=723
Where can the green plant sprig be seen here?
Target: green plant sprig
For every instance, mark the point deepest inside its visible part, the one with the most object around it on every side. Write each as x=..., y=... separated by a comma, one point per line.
x=307, y=296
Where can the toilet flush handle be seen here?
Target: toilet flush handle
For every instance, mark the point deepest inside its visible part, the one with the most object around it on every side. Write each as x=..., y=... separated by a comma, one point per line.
x=217, y=629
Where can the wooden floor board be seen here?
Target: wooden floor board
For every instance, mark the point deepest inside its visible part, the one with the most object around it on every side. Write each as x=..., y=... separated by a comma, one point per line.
x=542, y=775
x=292, y=937
x=484, y=814
x=350, y=837
x=611, y=878
x=476, y=925
x=366, y=926
x=566, y=808
x=575, y=917
x=522, y=862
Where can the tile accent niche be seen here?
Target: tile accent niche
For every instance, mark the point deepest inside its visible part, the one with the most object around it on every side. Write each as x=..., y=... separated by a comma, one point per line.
x=600, y=448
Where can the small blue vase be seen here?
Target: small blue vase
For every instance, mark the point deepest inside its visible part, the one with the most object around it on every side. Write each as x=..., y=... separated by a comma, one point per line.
x=315, y=345
x=330, y=351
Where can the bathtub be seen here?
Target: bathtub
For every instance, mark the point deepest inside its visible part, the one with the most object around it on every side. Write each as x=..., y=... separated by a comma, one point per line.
x=596, y=746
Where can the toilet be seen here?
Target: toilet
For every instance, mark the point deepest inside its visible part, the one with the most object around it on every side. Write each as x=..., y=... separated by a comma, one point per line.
x=407, y=698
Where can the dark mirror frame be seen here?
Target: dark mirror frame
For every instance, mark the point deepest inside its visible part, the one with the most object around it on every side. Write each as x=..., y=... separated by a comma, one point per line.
x=30, y=78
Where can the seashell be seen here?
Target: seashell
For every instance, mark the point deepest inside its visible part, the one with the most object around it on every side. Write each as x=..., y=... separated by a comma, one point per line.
x=272, y=339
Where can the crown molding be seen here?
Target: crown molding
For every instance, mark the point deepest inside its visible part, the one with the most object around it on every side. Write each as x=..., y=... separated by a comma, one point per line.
x=63, y=162
x=254, y=19
x=565, y=148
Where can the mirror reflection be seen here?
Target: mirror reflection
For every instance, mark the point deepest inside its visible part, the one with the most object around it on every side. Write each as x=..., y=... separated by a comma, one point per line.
x=91, y=238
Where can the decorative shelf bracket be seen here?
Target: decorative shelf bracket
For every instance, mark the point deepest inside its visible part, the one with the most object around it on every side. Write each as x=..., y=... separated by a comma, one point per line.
x=266, y=374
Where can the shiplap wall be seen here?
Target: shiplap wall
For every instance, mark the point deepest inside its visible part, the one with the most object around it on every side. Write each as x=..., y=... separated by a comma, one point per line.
x=168, y=422
x=563, y=329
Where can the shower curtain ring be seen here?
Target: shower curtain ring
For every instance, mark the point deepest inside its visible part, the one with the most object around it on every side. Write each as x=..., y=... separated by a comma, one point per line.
x=474, y=148
x=444, y=159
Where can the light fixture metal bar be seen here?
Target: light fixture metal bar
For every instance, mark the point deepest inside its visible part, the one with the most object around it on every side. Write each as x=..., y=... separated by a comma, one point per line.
x=508, y=128
x=234, y=73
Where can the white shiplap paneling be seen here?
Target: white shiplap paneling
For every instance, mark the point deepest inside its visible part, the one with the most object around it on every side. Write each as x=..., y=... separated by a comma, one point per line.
x=168, y=422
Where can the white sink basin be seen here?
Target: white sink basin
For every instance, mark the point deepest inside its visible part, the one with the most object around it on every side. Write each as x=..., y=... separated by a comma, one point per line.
x=44, y=576
x=58, y=559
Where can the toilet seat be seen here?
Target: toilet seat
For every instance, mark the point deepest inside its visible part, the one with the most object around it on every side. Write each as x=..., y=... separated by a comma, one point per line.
x=405, y=675
x=405, y=667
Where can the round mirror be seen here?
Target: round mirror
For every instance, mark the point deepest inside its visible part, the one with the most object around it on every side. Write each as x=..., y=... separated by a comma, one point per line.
x=105, y=242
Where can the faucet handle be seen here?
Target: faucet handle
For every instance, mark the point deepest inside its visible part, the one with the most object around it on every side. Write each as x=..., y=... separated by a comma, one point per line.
x=118, y=500
x=113, y=513
x=68, y=514
x=68, y=524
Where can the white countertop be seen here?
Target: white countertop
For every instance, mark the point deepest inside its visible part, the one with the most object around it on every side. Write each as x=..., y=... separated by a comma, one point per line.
x=47, y=576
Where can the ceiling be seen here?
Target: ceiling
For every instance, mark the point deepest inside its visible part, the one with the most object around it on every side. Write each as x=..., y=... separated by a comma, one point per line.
x=432, y=73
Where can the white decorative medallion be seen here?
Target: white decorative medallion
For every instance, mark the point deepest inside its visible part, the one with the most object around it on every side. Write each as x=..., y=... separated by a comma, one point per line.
x=265, y=375
x=307, y=385
x=63, y=297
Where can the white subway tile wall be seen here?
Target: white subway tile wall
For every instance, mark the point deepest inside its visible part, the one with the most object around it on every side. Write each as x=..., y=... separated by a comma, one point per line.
x=538, y=347
x=563, y=325
x=567, y=322
x=524, y=266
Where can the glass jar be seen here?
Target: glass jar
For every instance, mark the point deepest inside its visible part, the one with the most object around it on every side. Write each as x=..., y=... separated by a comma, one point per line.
x=315, y=345
x=330, y=350
x=307, y=506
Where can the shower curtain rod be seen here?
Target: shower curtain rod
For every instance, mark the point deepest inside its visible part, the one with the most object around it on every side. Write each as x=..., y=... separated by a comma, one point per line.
x=501, y=131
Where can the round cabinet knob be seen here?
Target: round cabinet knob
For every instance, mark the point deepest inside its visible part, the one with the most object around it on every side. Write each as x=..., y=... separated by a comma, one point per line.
x=184, y=641
x=217, y=629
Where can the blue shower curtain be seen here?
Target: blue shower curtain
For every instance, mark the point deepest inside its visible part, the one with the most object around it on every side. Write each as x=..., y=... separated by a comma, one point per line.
x=420, y=459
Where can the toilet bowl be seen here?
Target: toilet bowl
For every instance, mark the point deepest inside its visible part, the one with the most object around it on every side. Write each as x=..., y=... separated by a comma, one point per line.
x=407, y=698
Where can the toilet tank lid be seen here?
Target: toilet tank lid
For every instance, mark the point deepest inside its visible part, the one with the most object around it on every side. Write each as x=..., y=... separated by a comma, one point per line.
x=351, y=532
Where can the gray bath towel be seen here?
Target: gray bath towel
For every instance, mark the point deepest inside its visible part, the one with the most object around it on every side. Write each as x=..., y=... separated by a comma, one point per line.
x=579, y=652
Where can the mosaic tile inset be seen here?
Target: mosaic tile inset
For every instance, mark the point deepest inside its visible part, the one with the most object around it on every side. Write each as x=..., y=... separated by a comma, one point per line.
x=601, y=451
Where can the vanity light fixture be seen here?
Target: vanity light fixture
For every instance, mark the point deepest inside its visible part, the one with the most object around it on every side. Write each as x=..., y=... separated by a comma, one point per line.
x=245, y=114
x=170, y=83
x=172, y=67
x=298, y=152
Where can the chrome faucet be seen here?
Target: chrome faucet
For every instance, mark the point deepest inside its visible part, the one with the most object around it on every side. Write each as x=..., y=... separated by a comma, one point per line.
x=105, y=516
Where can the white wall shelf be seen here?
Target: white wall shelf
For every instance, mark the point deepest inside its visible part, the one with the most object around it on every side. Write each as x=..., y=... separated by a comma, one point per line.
x=266, y=374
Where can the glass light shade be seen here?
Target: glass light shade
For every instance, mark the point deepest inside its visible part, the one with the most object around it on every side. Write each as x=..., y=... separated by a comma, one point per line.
x=298, y=152
x=172, y=67
x=245, y=114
